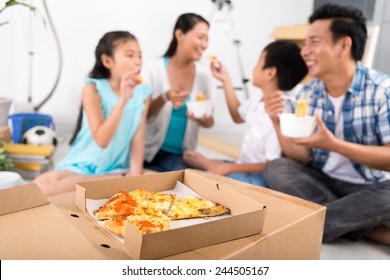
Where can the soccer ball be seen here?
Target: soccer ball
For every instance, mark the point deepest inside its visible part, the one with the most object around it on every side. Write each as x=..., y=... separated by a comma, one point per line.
x=40, y=135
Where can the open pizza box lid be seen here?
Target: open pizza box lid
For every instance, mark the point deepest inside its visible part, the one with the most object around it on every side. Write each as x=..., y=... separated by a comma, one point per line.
x=27, y=219
x=246, y=215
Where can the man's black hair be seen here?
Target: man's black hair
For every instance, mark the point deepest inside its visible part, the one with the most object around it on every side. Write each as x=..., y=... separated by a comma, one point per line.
x=346, y=21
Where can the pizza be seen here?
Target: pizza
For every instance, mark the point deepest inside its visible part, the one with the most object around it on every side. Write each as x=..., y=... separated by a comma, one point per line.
x=155, y=204
x=146, y=224
x=151, y=212
x=136, y=202
x=121, y=204
x=195, y=207
x=116, y=225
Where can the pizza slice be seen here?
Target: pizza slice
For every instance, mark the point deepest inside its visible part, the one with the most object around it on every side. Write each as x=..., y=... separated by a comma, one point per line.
x=116, y=225
x=120, y=204
x=195, y=207
x=149, y=224
x=156, y=204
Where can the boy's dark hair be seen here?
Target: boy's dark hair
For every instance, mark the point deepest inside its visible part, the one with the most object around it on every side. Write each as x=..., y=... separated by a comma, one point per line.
x=106, y=46
x=285, y=56
x=346, y=21
x=185, y=23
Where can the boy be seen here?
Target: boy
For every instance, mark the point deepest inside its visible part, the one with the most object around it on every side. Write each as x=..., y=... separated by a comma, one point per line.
x=280, y=67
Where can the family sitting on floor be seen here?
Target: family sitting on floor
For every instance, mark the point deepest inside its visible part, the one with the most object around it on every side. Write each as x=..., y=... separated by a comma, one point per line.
x=128, y=127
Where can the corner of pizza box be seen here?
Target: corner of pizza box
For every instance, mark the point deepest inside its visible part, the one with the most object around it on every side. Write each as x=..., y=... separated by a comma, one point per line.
x=31, y=227
x=289, y=219
x=21, y=198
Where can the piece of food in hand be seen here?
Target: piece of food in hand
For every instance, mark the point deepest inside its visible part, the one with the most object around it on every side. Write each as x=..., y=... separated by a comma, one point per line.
x=200, y=96
x=213, y=58
x=195, y=207
x=138, y=79
x=301, y=110
x=149, y=224
x=215, y=61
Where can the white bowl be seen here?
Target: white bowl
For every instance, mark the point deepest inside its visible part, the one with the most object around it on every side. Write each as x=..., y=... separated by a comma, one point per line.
x=10, y=179
x=296, y=127
x=200, y=108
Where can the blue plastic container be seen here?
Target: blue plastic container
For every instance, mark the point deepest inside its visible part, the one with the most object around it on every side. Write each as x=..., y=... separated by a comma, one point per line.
x=24, y=121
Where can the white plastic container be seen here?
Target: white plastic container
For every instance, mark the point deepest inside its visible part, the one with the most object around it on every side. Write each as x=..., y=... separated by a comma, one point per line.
x=200, y=108
x=296, y=127
x=10, y=179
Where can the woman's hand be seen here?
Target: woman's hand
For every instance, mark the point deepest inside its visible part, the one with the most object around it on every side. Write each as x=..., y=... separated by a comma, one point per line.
x=177, y=97
x=205, y=121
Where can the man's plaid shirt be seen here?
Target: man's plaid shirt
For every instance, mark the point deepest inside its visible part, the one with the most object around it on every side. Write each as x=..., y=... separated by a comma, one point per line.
x=366, y=113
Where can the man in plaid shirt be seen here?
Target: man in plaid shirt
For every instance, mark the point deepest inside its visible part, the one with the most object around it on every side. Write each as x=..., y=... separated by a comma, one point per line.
x=345, y=164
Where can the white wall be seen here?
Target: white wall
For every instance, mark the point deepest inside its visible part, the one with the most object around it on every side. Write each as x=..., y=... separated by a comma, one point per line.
x=80, y=24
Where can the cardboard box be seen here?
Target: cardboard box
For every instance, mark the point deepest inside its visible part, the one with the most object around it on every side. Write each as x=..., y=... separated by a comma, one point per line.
x=32, y=228
x=246, y=215
x=5, y=134
x=292, y=229
x=294, y=33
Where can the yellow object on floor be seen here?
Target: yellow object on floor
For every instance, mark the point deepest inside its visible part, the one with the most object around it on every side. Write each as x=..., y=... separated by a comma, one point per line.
x=26, y=149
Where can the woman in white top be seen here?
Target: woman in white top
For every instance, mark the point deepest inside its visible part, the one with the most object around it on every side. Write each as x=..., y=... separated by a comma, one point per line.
x=177, y=78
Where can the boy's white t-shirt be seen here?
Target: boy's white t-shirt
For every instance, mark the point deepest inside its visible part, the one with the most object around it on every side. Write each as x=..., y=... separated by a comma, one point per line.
x=260, y=142
x=338, y=166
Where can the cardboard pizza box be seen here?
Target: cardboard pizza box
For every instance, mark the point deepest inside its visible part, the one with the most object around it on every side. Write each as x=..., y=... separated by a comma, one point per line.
x=246, y=215
x=293, y=228
x=32, y=228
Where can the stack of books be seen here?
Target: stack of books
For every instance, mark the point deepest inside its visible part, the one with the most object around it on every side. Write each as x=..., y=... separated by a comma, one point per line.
x=30, y=160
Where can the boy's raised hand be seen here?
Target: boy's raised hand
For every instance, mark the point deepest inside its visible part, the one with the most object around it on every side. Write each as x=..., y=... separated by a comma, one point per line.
x=274, y=105
x=219, y=71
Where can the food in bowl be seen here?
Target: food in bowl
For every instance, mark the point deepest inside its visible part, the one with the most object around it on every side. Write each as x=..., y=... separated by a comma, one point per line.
x=200, y=96
x=200, y=108
x=301, y=110
x=297, y=127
